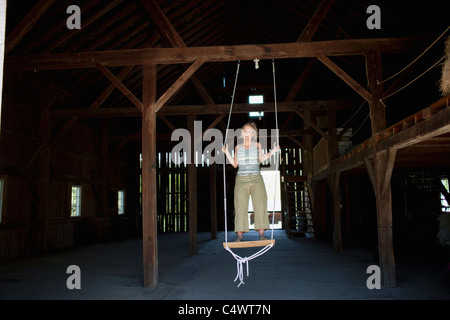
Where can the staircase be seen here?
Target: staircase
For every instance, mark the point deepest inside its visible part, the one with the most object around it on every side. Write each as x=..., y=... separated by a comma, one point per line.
x=297, y=208
x=298, y=214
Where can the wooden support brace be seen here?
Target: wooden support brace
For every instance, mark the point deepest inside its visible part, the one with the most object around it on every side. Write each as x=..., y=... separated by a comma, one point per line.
x=344, y=76
x=171, y=37
x=300, y=144
x=178, y=84
x=94, y=106
x=312, y=124
x=119, y=85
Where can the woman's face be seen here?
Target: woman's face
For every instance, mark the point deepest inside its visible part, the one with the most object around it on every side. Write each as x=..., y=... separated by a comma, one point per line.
x=248, y=132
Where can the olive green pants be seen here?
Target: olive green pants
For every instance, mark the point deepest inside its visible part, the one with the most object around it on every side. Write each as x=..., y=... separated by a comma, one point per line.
x=246, y=186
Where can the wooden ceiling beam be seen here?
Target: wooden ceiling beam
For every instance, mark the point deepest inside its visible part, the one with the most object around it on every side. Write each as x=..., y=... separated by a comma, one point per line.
x=76, y=60
x=207, y=109
x=289, y=134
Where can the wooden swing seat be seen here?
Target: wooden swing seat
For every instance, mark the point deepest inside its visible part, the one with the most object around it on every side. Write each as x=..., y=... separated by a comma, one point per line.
x=249, y=244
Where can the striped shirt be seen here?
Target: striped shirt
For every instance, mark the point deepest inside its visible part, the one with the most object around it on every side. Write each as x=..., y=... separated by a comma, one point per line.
x=248, y=160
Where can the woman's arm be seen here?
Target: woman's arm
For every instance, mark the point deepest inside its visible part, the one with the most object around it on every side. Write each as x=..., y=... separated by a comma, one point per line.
x=264, y=157
x=234, y=161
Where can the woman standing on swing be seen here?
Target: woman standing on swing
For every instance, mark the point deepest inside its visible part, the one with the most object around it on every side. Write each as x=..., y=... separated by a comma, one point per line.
x=249, y=182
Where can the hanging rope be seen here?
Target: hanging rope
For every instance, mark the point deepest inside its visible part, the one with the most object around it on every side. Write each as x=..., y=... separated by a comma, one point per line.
x=240, y=261
x=278, y=143
x=434, y=42
x=224, y=158
x=414, y=80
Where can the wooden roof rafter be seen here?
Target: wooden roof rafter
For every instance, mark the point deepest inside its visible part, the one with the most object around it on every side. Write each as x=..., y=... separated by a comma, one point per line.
x=196, y=34
x=82, y=79
x=316, y=19
x=67, y=37
x=306, y=35
x=27, y=24
x=171, y=36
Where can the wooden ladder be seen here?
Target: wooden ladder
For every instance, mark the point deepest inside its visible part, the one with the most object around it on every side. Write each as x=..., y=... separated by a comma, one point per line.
x=298, y=210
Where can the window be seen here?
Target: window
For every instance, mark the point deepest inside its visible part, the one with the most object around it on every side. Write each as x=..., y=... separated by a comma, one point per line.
x=121, y=202
x=255, y=99
x=2, y=188
x=256, y=114
x=444, y=204
x=76, y=201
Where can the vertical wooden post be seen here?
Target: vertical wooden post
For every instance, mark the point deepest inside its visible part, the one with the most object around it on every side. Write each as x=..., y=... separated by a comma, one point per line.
x=2, y=51
x=334, y=181
x=213, y=200
x=382, y=171
x=320, y=197
x=104, y=169
x=375, y=87
x=348, y=208
x=307, y=155
x=149, y=213
x=44, y=181
x=383, y=166
x=332, y=133
x=337, y=234
x=192, y=190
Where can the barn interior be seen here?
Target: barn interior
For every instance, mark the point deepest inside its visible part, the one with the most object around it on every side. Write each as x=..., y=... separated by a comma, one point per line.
x=93, y=93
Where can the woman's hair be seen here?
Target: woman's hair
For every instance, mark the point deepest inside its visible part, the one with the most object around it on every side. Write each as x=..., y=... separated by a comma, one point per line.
x=253, y=126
